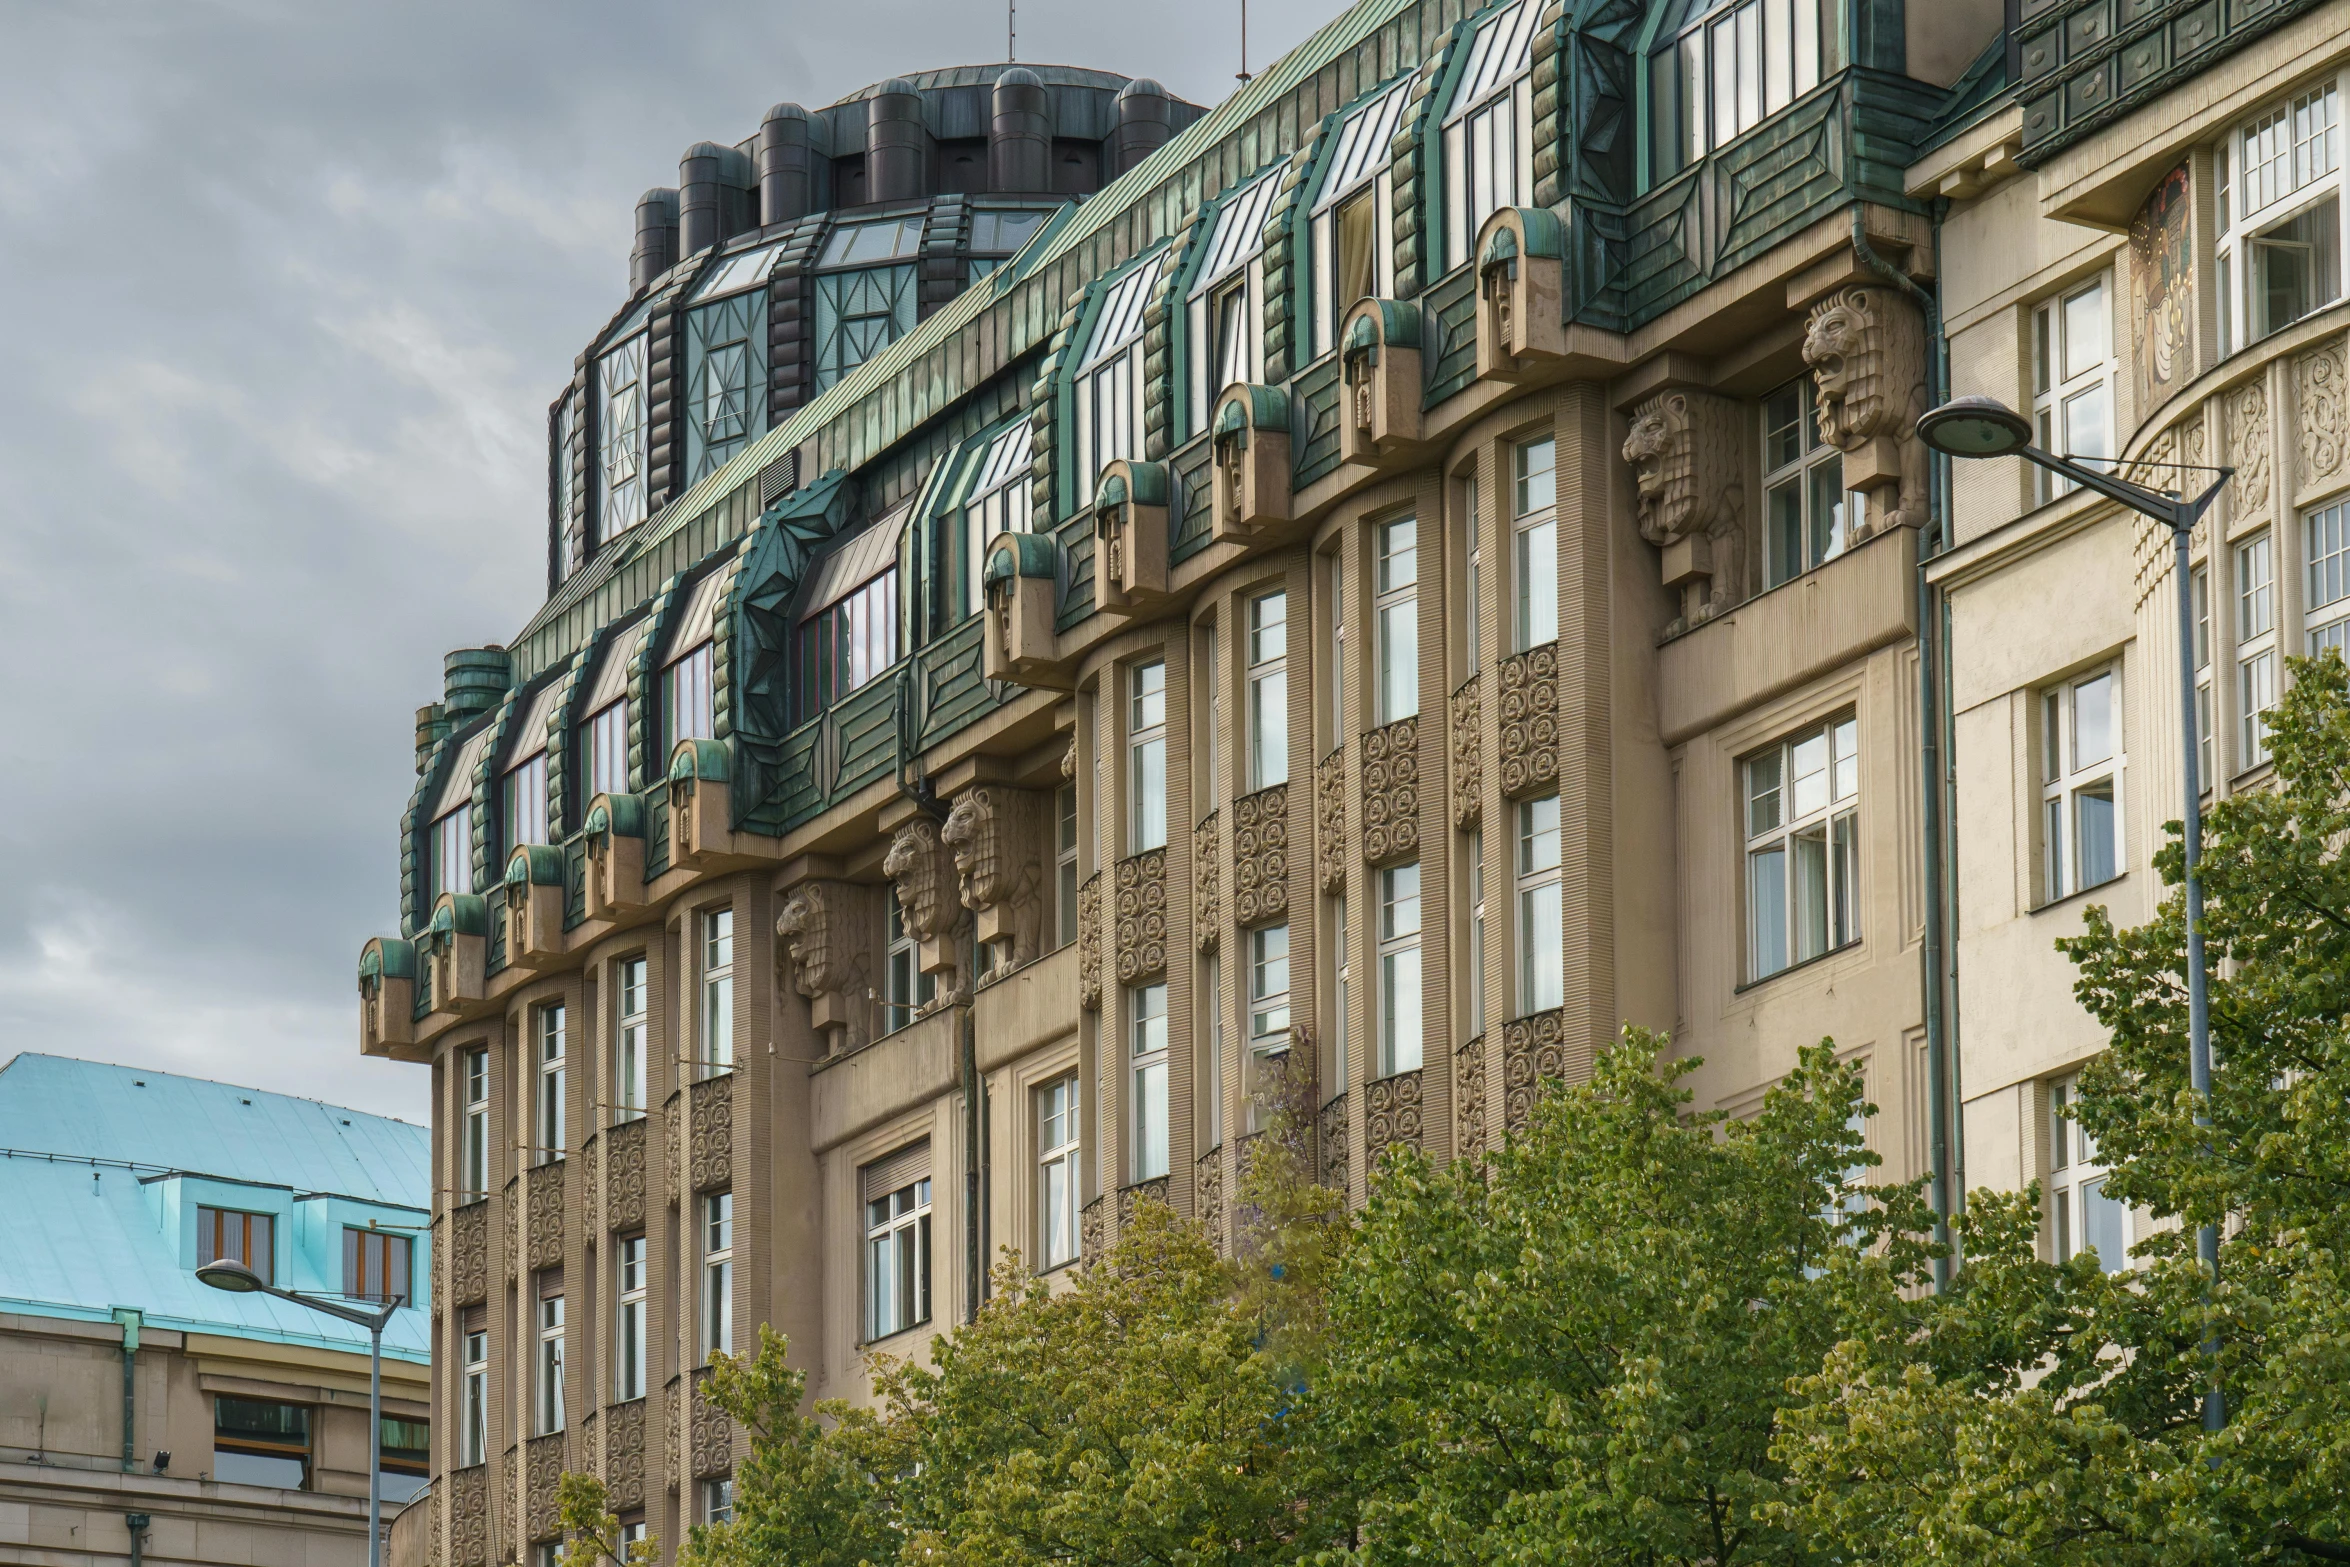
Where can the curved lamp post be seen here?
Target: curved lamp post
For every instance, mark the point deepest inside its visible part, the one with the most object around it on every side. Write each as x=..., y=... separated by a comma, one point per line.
x=1987, y=427
x=238, y=1279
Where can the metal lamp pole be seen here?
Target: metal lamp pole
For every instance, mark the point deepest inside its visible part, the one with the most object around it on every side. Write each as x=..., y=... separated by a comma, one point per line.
x=238, y=1279
x=1986, y=427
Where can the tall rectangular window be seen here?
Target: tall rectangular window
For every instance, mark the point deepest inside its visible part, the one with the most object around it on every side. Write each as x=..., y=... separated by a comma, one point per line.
x=1268, y=690
x=1000, y=503
x=1146, y=755
x=2072, y=380
x=687, y=704
x=1473, y=583
x=718, y=990
x=1268, y=988
x=549, y=1400
x=1059, y=1196
x=628, y=1319
x=2280, y=217
x=1399, y=970
x=473, y=1443
x=2080, y=781
x=452, y=852
x=2326, y=539
x=717, y=1274
x=1535, y=510
x=1338, y=729
x=906, y=988
x=897, y=1258
x=1807, y=515
x=1340, y=1039
x=1802, y=848
x=848, y=642
x=477, y=1124
x=1148, y=1048
x=525, y=793
x=227, y=1235
x=375, y=1264
x=549, y=1127
x=1487, y=140
x=1542, y=950
x=1398, y=624
x=620, y=429
x=1212, y=747
x=607, y=743
x=718, y=1501
x=1729, y=72
x=2082, y=1216
x=2202, y=581
x=1475, y=852
x=632, y=1065
x=2256, y=648
x=1065, y=860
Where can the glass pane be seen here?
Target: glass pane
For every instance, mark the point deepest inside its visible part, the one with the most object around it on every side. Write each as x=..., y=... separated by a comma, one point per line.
x=1766, y=909
x=2059, y=1129
x=1783, y=426
x=1399, y=1010
x=1825, y=538
x=1762, y=794
x=1150, y=1121
x=1778, y=66
x=1810, y=848
x=1399, y=660
x=2043, y=360
x=1399, y=904
x=2094, y=826
x=1538, y=576
x=2053, y=857
x=1538, y=835
x=1844, y=878
x=2092, y=721
x=1150, y=794
x=1847, y=744
x=2085, y=423
x=1784, y=525
x=2085, y=347
x=1268, y=730
x=1807, y=766
x=1545, y=949
x=2104, y=1226
x=1398, y=555
x=1537, y=476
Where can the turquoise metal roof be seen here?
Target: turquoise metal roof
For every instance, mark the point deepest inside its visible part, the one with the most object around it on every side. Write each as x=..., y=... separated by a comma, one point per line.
x=102, y=1169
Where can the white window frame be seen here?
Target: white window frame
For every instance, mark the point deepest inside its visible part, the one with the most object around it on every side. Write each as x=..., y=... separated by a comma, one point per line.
x=607, y=749
x=1396, y=620
x=897, y=1247
x=1230, y=276
x=1534, y=542
x=1474, y=854
x=1780, y=816
x=2325, y=602
x=632, y=1060
x=1402, y=1013
x=452, y=851
x=715, y=1038
x=1268, y=989
x=1488, y=132
x=2077, y=1207
x=2256, y=644
x=477, y=1124
x=1356, y=179
x=1806, y=509
x=1060, y=1190
x=1541, y=906
x=1146, y=1025
x=526, y=802
x=629, y=1344
x=1001, y=502
x=548, y=1120
x=2081, y=761
x=2276, y=169
x=717, y=1236
x=1108, y=384
x=1268, y=689
x=687, y=699
x=2074, y=376
x=548, y=1405
x=474, y=1412
x=1065, y=860
x=1146, y=755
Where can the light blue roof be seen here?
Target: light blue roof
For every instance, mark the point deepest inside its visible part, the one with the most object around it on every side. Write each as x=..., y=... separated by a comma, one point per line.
x=102, y=1169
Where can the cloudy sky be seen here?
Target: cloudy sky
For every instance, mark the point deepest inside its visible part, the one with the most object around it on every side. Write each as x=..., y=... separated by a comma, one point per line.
x=290, y=284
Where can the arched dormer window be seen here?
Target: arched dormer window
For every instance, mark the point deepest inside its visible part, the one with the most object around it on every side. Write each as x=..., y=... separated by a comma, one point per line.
x=1108, y=402
x=1226, y=298
x=1489, y=126
x=1353, y=220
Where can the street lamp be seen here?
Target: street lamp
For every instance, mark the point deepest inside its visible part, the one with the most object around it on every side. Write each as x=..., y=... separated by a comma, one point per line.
x=1986, y=427
x=238, y=1279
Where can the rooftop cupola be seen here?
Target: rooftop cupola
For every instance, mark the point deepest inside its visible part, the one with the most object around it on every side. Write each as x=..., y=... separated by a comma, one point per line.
x=1020, y=134
x=1145, y=120
x=787, y=165
x=715, y=193
x=656, y=237
x=897, y=143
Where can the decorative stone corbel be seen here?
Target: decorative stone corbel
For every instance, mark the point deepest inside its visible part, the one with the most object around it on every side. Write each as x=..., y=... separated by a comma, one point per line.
x=531, y=904
x=1130, y=537
x=1521, y=291
x=614, y=830
x=923, y=872
x=818, y=944
x=699, y=804
x=387, y=996
x=1379, y=357
x=1867, y=350
x=453, y=954
x=996, y=835
x=1688, y=457
x=1019, y=582
x=1253, y=478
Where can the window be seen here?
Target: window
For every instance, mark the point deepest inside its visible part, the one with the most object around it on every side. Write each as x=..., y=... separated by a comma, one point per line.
x=474, y=1441
x=860, y=244
x=1268, y=690
x=526, y=803
x=1488, y=132
x=1337, y=661
x=2256, y=650
x=633, y=1529
x=909, y=989
x=1108, y=403
x=1003, y=233
x=628, y=1320
x=620, y=430
x=1399, y=970
x=549, y=1126
x=1537, y=551
x=1472, y=583
x=2081, y=1215
x=452, y=852
x=225, y=1235
x=717, y=1274
x=1344, y=945
x=1228, y=320
x=860, y=313
x=477, y=1124
x=717, y=1501
x=1227, y=293
x=1268, y=989
x=2080, y=778
x=549, y=1404
x=564, y=499
x=848, y=642
x=718, y=989
x=2201, y=578
x=1398, y=624
x=2326, y=533
x=255, y=1442
x=1542, y=947
x=1212, y=1073
x=1474, y=851
x=1148, y=1023
x=1059, y=1198
x=406, y=1449
x=1065, y=859
x=2072, y=377
x=725, y=377
x=632, y=1064
x=897, y=1251
x=1352, y=249
x=1802, y=845
x=1000, y=503
x=1725, y=75
x=375, y=1264
x=2280, y=217
x=1146, y=754
x=607, y=756
x=1212, y=710
x=1804, y=501
x=686, y=699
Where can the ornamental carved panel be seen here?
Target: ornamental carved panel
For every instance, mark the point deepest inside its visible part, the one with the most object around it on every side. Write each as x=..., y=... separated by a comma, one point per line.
x=1533, y=1052
x=997, y=836
x=624, y=1183
x=1141, y=930
x=713, y=1432
x=1089, y=943
x=1391, y=792
x=712, y=1151
x=1468, y=1091
x=672, y=1438
x=542, y=1468
x=1391, y=1114
x=591, y=1159
x=2317, y=381
x=504, y=1503
x=1468, y=755
x=1260, y=856
x=543, y=1209
x=1336, y=1163
x=1867, y=350
x=1530, y=722
x=469, y=1255
x=1207, y=1187
x=2248, y=442
x=1133, y=1197
x=1330, y=821
x=624, y=1436
x=672, y=1138
x=1089, y=1233
x=469, y=1514
x=1206, y=881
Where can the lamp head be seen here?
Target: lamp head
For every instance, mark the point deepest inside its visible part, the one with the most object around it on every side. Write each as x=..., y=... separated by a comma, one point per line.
x=1975, y=427
x=234, y=1277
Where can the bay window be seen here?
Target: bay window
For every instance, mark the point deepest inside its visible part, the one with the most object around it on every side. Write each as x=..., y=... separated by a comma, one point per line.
x=1734, y=67
x=1489, y=129
x=1343, y=947
x=1397, y=623
x=1802, y=848
x=2080, y=781
x=1146, y=755
x=1268, y=1011
x=1065, y=860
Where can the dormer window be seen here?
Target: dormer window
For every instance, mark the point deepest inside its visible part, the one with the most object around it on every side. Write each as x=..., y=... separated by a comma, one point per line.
x=1227, y=298
x=1353, y=225
x=862, y=244
x=226, y=1235
x=1728, y=71
x=620, y=428
x=607, y=750
x=999, y=503
x=851, y=635
x=1109, y=377
x=1489, y=130
x=452, y=852
x=1003, y=233
x=686, y=698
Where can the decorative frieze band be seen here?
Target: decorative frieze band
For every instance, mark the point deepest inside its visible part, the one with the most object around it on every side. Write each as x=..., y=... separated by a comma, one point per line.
x=2318, y=385
x=542, y=1468
x=713, y=1431
x=624, y=1430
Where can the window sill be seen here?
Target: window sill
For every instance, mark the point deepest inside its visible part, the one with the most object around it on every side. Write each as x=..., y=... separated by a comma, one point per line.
x=894, y=1333
x=1796, y=968
x=2076, y=896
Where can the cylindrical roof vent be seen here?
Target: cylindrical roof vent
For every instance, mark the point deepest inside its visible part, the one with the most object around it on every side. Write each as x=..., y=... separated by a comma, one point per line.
x=787, y=166
x=896, y=144
x=656, y=237
x=432, y=727
x=1145, y=121
x=1020, y=136
x=473, y=679
x=714, y=187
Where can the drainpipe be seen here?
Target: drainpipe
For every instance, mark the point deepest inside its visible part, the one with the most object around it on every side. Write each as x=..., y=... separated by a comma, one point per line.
x=138, y=1526
x=130, y=1318
x=1932, y=963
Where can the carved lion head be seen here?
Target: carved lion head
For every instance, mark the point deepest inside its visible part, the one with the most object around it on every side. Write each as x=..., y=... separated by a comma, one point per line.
x=1844, y=344
x=801, y=927
x=1663, y=469
x=975, y=838
x=912, y=865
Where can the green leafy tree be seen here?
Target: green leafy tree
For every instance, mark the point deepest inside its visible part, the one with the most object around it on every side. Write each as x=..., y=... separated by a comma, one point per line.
x=591, y=1531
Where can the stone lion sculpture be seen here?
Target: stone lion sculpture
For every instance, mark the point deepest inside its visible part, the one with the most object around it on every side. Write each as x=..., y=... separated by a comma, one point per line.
x=1867, y=352
x=993, y=876
x=1685, y=450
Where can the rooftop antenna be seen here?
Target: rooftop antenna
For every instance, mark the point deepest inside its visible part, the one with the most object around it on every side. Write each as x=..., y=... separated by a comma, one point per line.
x=1012, y=31
x=1242, y=74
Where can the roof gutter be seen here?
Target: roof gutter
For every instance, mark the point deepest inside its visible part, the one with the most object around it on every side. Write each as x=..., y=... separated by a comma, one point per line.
x=130, y=1317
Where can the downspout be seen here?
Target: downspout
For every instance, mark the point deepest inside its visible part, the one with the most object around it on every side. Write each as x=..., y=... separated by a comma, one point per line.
x=130, y=1318
x=1930, y=730
x=138, y=1526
